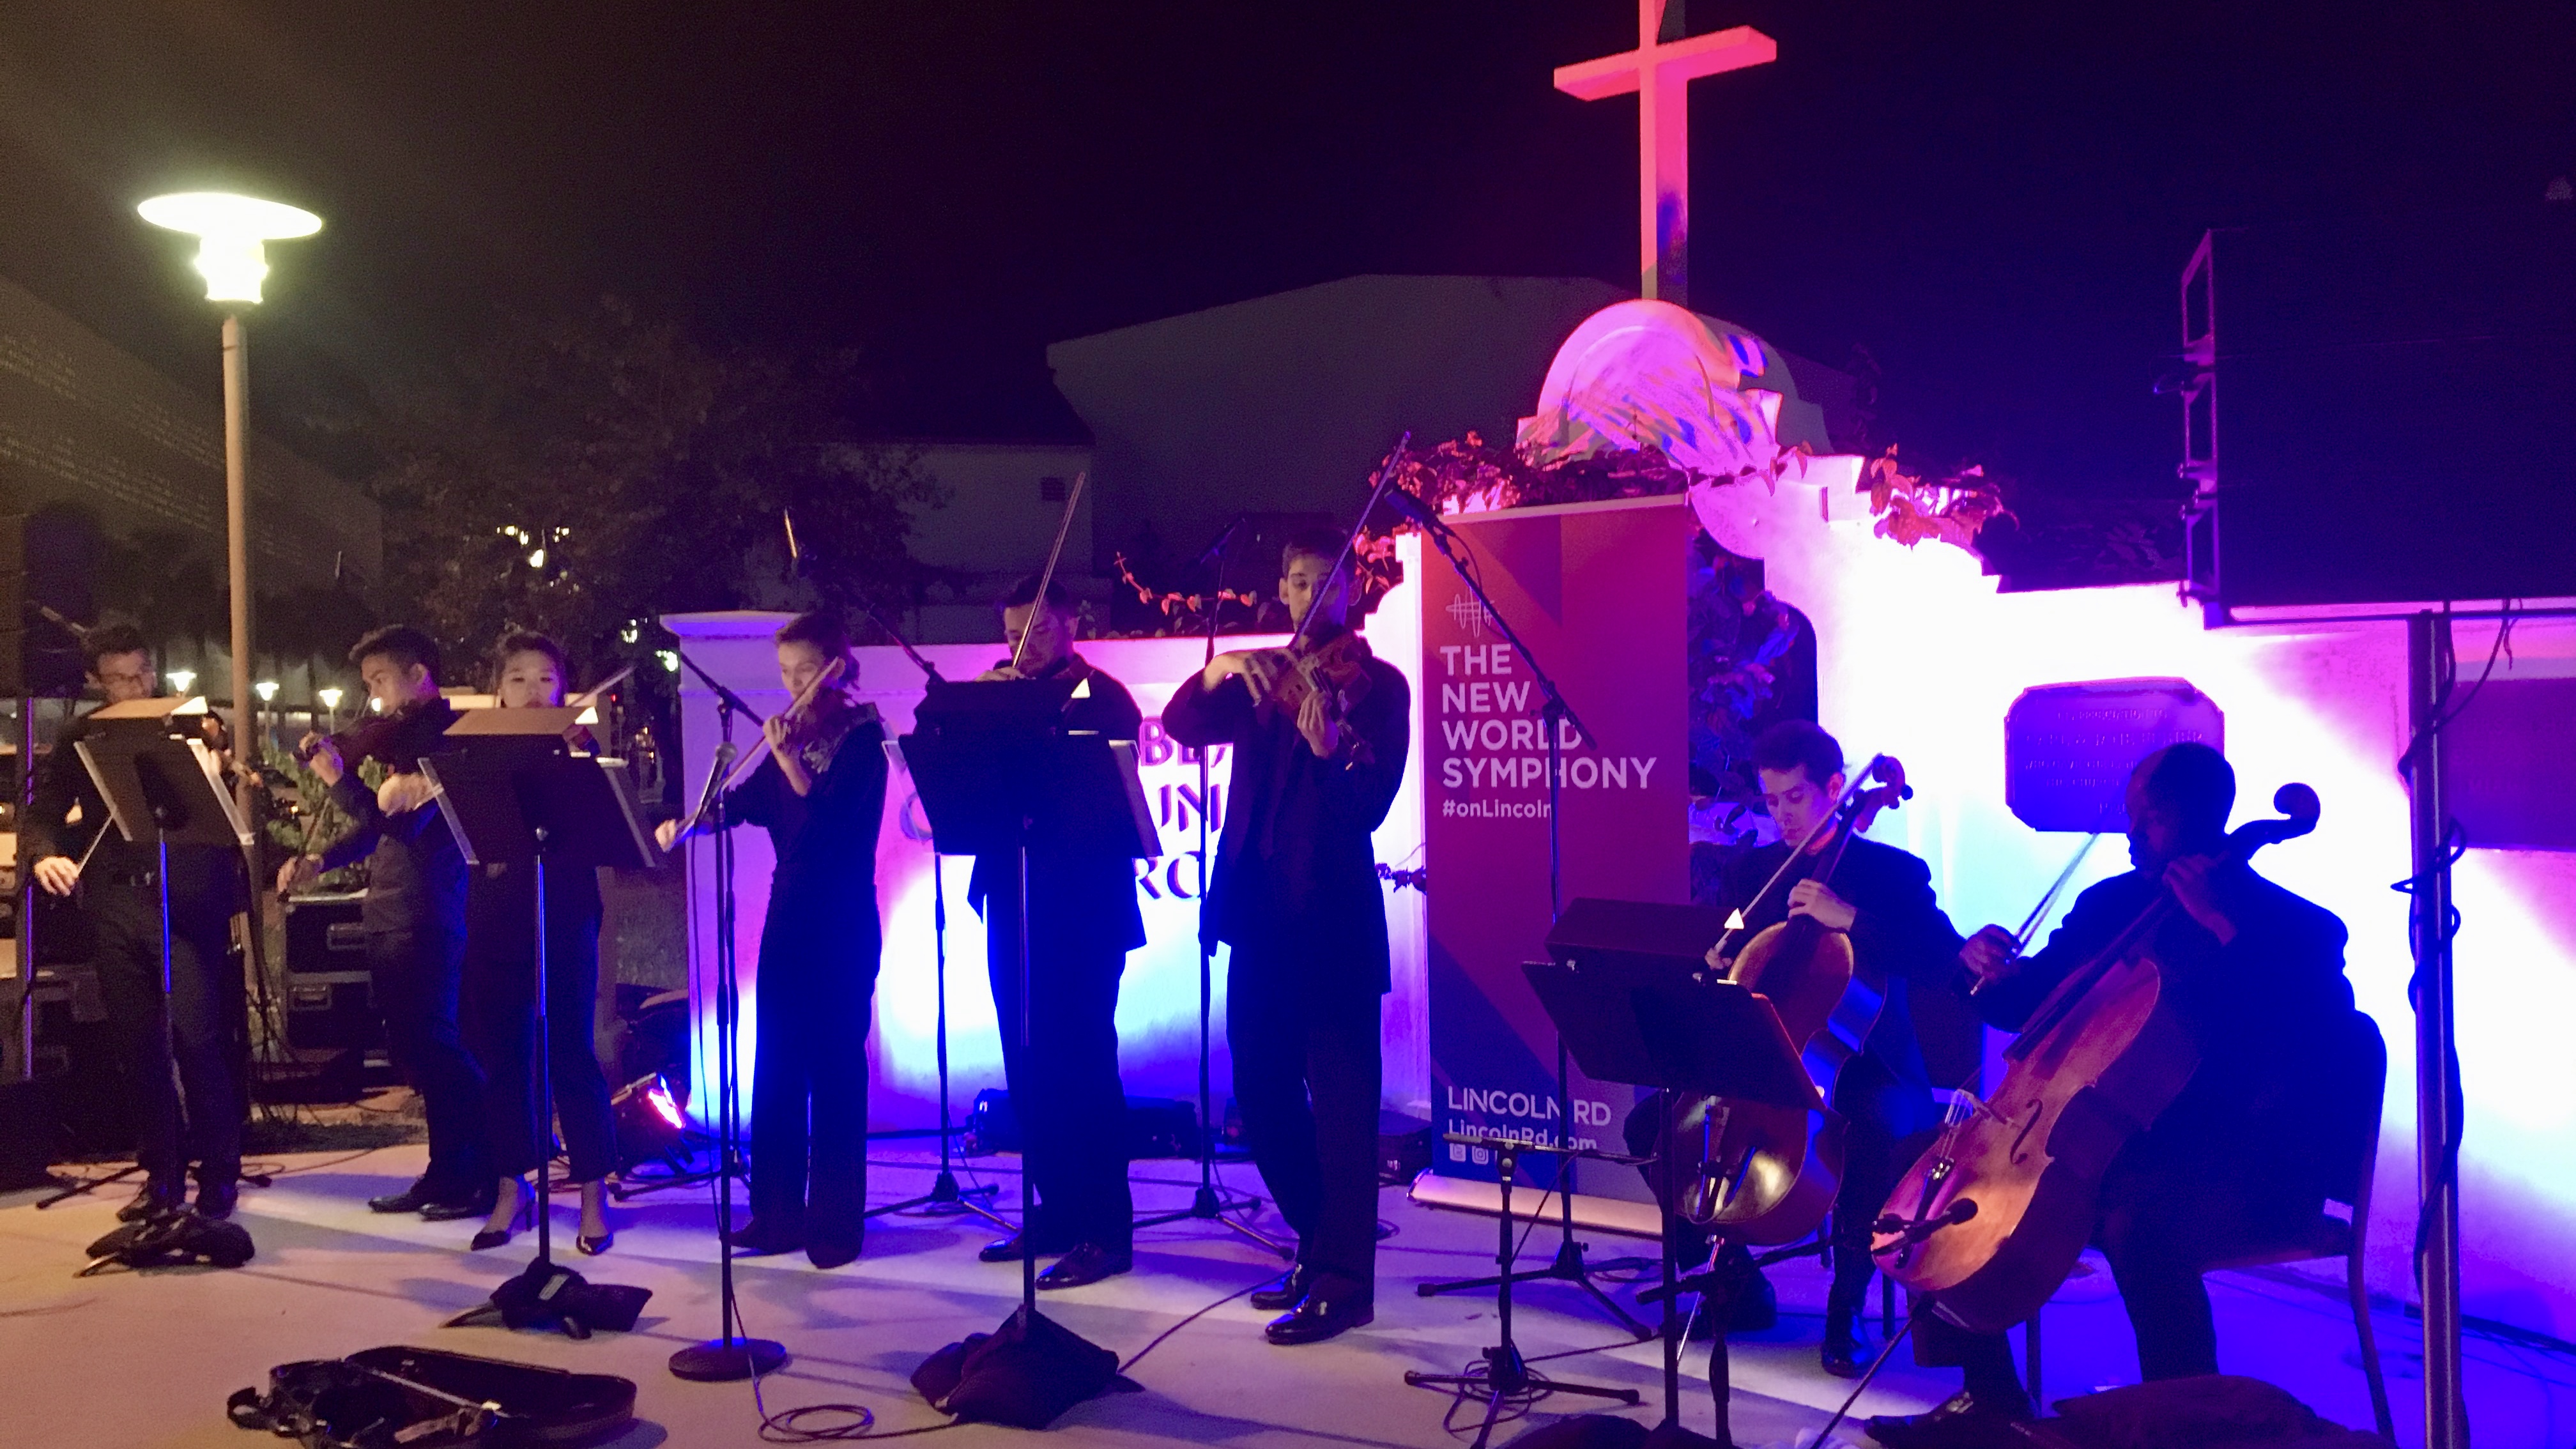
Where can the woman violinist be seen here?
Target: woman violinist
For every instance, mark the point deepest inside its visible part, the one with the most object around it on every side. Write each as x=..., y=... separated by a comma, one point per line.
x=500, y=977
x=820, y=793
x=2256, y=974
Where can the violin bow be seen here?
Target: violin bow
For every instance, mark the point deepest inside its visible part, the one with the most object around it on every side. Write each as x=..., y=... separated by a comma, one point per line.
x=1046, y=577
x=751, y=759
x=2039, y=913
x=591, y=696
x=1386, y=471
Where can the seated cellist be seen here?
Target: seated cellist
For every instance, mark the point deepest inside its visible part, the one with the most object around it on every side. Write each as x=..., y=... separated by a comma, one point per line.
x=2257, y=975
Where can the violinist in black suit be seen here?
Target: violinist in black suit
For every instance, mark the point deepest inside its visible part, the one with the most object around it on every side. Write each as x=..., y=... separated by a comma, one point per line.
x=2237, y=1160
x=1882, y=897
x=1296, y=898
x=185, y=1022
x=1082, y=922
x=414, y=915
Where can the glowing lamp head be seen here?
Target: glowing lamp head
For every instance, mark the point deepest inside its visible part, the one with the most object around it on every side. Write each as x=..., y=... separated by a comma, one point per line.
x=330, y=697
x=180, y=679
x=266, y=689
x=231, y=233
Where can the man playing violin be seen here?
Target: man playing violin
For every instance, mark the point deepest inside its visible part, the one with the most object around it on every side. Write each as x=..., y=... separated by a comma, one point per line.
x=2236, y=1161
x=414, y=915
x=1296, y=896
x=1882, y=898
x=188, y=1022
x=1083, y=920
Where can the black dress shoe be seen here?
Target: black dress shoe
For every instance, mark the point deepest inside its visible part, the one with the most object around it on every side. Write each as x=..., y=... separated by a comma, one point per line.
x=1007, y=1250
x=1087, y=1264
x=592, y=1247
x=828, y=1253
x=154, y=1200
x=216, y=1199
x=406, y=1201
x=1964, y=1422
x=447, y=1209
x=1326, y=1312
x=756, y=1239
x=1840, y=1347
x=1288, y=1292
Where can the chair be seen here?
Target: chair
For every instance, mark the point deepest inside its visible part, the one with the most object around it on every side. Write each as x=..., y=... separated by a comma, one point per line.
x=2361, y=1060
x=2362, y=1057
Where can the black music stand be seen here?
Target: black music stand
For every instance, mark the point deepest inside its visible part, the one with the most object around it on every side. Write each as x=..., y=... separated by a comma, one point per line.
x=513, y=795
x=1643, y=1013
x=161, y=788
x=994, y=765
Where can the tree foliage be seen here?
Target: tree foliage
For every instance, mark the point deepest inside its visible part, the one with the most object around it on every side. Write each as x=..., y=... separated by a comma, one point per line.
x=580, y=472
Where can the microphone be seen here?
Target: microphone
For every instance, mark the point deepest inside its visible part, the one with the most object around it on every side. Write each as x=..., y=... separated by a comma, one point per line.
x=1404, y=501
x=1224, y=536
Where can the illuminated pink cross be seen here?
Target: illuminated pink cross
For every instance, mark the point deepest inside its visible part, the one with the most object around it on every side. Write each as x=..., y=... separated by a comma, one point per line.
x=1660, y=72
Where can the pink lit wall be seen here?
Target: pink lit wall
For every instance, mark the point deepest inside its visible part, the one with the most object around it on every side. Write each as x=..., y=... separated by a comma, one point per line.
x=1158, y=997
x=1921, y=657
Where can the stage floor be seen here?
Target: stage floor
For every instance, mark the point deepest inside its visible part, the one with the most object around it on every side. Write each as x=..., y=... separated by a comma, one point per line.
x=139, y=1360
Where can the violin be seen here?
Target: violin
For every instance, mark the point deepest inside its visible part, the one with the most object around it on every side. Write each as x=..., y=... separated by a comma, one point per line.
x=1336, y=669
x=1990, y=1220
x=1769, y=1174
x=398, y=739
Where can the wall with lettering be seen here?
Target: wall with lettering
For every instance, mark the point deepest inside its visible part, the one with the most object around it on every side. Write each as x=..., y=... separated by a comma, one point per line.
x=1158, y=1003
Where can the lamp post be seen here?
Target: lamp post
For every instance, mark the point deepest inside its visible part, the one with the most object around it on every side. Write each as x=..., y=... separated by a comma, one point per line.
x=231, y=234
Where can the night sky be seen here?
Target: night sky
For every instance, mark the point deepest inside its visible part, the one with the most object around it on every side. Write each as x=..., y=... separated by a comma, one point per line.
x=1994, y=200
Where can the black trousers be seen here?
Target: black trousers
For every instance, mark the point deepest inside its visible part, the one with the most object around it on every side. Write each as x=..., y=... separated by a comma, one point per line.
x=2167, y=1211
x=1064, y=1083
x=809, y=1069
x=176, y=1047
x=500, y=995
x=1307, y=1071
x=419, y=982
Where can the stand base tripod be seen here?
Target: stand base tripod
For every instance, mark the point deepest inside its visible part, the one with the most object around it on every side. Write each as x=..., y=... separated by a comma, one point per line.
x=1213, y=1204
x=947, y=1200
x=1506, y=1377
x=728, y=1360
x=1567, y=1267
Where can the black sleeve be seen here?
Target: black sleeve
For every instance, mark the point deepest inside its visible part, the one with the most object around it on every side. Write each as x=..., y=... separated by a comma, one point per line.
x=359, y=803
x=755, y=801
x=47, y=830
x=1111, y=709
x=849, y=798
x=1901, y=929
x=2102, y=912
x=1359, y=785
x=1199, y=716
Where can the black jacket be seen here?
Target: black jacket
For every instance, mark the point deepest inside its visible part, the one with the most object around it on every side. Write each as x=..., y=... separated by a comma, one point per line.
x=1899, y=935
x=1295, y=860
x=204, y=879
x=1082, y=892
x=416, y=877
x=826, y=841
x=2264, y=1010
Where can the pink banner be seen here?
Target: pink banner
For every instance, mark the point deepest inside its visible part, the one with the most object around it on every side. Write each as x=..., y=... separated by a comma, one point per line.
x=1597, y=592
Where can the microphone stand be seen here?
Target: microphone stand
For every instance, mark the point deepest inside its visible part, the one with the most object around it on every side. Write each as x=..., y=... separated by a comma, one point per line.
x=945, y=1198
x=733, y=1354
x=1212, y=1202
x=1554, y=715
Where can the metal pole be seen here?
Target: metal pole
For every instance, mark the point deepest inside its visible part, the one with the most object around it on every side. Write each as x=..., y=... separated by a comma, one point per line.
x=2437, y=1267
x=237, y=542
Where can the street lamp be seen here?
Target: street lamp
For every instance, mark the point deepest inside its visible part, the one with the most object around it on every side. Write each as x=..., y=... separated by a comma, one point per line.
x=232, y=255
x=180, y=679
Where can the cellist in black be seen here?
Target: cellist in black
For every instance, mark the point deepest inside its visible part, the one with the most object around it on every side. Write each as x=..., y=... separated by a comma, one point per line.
x=1882, y=897
x=2257, y=975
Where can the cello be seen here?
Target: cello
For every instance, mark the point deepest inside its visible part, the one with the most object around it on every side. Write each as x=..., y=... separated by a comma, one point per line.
x=1768, y=1174
x=1991, y=1219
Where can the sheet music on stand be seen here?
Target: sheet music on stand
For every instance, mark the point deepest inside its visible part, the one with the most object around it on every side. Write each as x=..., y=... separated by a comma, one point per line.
x=159, y=785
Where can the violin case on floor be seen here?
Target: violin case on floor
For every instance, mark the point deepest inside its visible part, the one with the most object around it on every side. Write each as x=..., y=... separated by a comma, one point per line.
x=427, y=1398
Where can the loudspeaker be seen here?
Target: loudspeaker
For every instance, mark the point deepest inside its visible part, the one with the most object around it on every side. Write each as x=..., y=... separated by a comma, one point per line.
x=48, y=575
x=2377, y=410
